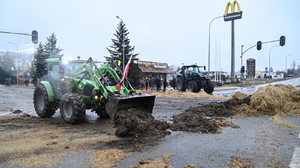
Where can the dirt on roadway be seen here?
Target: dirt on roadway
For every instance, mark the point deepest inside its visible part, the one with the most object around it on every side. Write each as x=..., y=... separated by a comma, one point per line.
x=30, y=141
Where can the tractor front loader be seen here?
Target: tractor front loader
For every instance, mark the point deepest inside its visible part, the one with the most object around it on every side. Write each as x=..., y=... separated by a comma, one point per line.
x=76, y=85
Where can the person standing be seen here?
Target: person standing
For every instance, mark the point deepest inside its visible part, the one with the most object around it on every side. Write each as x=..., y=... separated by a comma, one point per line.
x=6, y=82
x=142, y=85
x=157, y=82
x=152, y=84
x=165, y=84
x=174, y=82
x=147, y=83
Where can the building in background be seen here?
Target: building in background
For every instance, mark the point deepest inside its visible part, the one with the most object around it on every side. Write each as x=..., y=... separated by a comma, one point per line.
x=154, y=69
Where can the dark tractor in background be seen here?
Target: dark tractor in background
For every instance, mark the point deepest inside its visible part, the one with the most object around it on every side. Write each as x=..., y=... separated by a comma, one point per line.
x=189, y=77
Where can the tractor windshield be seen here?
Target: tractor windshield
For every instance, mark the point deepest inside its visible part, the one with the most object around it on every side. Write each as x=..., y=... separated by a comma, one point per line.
x=71, y=66
x=193, y=69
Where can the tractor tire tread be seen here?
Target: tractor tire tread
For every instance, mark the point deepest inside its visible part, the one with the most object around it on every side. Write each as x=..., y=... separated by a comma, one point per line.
x=209, y=88
x=48, y=108
x=79, y=108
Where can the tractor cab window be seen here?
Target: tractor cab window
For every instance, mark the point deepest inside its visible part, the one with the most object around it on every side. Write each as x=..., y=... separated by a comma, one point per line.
x=53, y=70
x=71, y=66
x=191, y=70
x=68, y=70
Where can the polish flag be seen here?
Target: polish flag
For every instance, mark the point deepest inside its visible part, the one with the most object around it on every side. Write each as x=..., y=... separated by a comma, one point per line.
x=125, y=75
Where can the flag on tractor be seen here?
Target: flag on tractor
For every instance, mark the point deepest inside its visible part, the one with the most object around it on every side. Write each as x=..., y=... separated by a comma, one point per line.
x=125, y=75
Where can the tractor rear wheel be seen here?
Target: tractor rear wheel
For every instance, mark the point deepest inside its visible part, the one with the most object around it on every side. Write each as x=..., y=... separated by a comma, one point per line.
x=72, y=108
x=209, y=87
x=180, y=84
x=192, y=86
x=42, y=106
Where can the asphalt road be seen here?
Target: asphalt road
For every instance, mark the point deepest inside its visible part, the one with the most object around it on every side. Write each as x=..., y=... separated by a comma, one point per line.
x=229, y=91
x=261, y=142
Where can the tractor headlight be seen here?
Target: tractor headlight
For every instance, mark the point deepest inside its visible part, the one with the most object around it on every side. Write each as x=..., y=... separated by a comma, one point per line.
x=65, y=61
x=62, y=79
x=96, y=97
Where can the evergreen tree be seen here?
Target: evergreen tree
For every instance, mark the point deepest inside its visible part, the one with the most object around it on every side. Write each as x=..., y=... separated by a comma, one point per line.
x=44, y=51
x=39, y=65
x=116, y=53
x=51, y=51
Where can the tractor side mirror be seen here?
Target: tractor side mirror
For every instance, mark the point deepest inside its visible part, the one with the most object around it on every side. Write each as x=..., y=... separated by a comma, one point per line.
x=204, y=67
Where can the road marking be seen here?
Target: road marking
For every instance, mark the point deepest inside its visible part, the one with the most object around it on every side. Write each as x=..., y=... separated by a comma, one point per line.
x=295, y=159
x=295, y=163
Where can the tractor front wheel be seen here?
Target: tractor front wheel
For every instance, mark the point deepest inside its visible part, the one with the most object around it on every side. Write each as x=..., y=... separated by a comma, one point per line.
x=43, y=107
x=72, y=108
x=180, y=84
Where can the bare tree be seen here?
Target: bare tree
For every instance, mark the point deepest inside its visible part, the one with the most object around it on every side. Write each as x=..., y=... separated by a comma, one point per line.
x=293, y=66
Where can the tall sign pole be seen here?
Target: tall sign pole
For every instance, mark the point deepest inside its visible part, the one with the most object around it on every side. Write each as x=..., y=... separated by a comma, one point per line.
x=231, y=17
x=232, y=53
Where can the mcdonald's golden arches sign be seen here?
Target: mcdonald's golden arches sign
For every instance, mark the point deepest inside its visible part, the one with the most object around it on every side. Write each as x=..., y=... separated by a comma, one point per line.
x=232, y=15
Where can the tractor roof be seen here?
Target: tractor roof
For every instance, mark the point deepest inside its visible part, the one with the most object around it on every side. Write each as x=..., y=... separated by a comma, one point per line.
x=53, y=60
x=190, y=65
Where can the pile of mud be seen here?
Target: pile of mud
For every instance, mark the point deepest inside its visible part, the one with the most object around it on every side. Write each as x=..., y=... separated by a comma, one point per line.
x=270, y=100
x=138, y=122
x=208, y=118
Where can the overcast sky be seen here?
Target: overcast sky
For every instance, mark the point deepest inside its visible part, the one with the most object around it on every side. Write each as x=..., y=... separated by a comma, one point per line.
x=168, y=31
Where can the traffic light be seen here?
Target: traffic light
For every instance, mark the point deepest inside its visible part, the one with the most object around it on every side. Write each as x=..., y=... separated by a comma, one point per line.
x=243, y=69
x=258, y=45
x=34, y=37
x=282, y=41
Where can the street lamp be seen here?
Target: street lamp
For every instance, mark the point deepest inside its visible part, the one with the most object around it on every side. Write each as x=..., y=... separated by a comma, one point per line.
x=123, y=44
x=286, y=61
x=209, y=44
x=17, y=62
x=270, y=58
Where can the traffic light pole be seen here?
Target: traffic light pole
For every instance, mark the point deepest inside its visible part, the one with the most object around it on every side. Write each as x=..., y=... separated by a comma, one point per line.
x=259, y=45
x=34, y=35
x=242, y=53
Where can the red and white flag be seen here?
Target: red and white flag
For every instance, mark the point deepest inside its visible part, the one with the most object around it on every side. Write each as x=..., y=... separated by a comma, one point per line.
x=125, y=75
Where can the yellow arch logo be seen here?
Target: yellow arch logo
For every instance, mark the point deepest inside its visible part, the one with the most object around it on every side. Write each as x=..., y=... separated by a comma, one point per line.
x=232, y=6
x=232, y=15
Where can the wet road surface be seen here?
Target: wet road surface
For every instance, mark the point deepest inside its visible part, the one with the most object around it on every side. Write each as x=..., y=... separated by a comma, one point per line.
x=265, y=144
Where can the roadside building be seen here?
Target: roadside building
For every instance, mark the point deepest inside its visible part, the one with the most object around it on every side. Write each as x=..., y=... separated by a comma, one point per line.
x=154, y=69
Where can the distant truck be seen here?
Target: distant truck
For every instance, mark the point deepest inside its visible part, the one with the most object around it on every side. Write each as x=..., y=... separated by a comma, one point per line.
x=189, y=77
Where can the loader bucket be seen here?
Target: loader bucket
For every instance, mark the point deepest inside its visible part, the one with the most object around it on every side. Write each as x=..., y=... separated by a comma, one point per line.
x=145, y=101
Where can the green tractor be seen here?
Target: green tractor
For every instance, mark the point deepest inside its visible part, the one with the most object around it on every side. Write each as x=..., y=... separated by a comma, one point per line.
x=76, y=85
x=190, y=78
